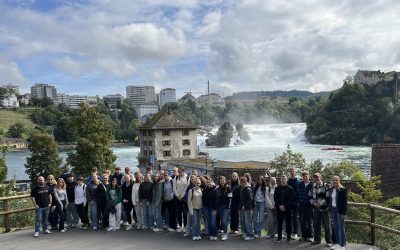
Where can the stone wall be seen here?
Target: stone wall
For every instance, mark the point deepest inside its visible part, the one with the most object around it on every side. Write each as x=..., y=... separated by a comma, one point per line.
x=385, y=162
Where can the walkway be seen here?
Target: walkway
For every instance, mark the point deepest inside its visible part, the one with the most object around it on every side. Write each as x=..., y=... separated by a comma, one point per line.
x=76, y=239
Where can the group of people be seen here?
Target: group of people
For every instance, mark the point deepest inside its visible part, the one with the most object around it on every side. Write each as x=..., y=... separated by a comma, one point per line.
x=182, y=203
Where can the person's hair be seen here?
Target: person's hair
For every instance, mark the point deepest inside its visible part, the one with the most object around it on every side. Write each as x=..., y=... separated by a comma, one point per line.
x=148, y=169
x=263, y=185
x=203, y=180
x=224, y=188
x=304, y=173
x=247, y=176
x=53, y=181
x=117, y=168
x=94, y=169
x=243, y=180
x=182, y=169
x=127, y=169
x=116, y=180
x=80, y=178
x=63, y=183
x=284, y=176
x=71, y=174
x=107, y=172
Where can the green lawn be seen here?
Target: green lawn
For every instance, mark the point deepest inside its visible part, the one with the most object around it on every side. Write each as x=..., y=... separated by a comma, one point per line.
x=7, y=118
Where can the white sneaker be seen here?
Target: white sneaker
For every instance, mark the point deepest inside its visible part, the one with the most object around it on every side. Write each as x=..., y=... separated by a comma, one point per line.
x=257, y=236
x=62, y=230
x=171, y=230
x=194, y=238
x=117, y=228
x=335, y=246
x=110, y=229
x=129, y=227
x=180, y=230
x=185, y=234
x=47, y=231
x=157, y=230
x=249, y=238
x=295, y=237
x=94, y=228
x=224, y=237
x=211, y=237
x=198, y=237
x=36, y=234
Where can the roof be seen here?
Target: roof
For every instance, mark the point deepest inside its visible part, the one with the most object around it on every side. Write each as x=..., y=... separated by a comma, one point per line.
x=166, y=119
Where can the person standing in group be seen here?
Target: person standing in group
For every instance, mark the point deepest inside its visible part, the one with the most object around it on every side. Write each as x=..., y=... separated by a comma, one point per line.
x=127, y=188
x=294, y=181
x=101, y=200
x=305, y=208
x=91, y=201
x=157, y=200
x=235, y=193
x=195, y=205
x=272, y=219
x=41, y=199
x=145, y=198
x=72, y=216
x=117, y=175
x=180, y=184
x=53, y=216
x=259, y=197
x=169, y=201
x=210, y=203
x=188, y=228
x=127, y=171
x=246, y=208
x=135, y=200
x=320, y=196
x=284, y=198
x=114, y=199
x=81, y=202
x=60, y=194
x=339, y=209
x=224, y=204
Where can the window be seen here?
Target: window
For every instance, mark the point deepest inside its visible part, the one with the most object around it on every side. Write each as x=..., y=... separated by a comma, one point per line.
x=144, y=143
x=145, y=152
x=150, y=152
x=166, y=143
x=185, y=132
x=150, y=133
x=186, y=152
x=167, y=153
x=150, y=143
x=185, y=142
x=144, y=133
x=165, y=132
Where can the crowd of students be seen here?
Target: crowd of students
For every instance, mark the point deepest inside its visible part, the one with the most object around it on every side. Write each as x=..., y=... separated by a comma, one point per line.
x=182, y=203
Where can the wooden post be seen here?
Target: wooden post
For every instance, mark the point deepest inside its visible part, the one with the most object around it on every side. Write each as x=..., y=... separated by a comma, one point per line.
x=373, y=231
x=5, y=217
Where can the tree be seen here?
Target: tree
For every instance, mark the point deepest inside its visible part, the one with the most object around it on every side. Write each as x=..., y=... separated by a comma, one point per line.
x=44, y=159
x=94, y=135
x=282, y=163
x=4, y=188
x=16, y=130
x=63, y=132
x=127, y=114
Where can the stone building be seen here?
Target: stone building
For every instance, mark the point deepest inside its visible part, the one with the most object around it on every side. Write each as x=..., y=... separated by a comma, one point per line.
x=373, y=77
x=167, y=136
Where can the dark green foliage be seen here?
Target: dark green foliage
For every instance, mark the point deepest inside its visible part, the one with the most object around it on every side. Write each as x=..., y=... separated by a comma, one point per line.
x=223, y=136
x=16, y=130
x=94, y=135
x=356, y=114
x=44, y=158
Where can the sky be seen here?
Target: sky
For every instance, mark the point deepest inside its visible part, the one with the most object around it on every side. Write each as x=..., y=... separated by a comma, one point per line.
x=100, y=46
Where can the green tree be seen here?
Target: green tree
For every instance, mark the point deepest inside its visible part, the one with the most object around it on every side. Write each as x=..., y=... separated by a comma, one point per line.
x=63, y=131
x=94, y=135
x=16, y=130
x=44, y=159
x=127, y=114
x=282, y=163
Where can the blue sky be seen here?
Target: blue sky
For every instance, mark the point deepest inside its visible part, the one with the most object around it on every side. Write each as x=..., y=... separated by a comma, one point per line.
x=101, y=46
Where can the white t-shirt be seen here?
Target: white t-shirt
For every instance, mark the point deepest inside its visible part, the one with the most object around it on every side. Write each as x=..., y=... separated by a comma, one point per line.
x=334, y=198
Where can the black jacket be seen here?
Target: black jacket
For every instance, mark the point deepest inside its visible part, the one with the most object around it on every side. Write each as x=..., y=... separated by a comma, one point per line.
x=284, y=195
x=71, y=191
x=235, y=189
x=223, y=197
x=210, y=198
x=247, y=198
x=127, y=192
x=146, y=191
x=341, y=200
x=101, y=196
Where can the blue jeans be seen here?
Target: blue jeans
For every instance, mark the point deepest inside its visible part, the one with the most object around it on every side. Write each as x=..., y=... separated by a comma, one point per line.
x=272, y=222
x=72, y=214
x=210, y=218
x=205, y=222
x=223, y=215
x=94, y=214
x=258, y=217
x=158, y=216
x=196, y=222
x=147, y=214
x=338, y=226
x=41, y=215
x=247, y=222
x=295, y=215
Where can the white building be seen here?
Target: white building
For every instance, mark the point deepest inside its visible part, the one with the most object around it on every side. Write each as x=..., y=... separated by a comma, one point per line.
x=75, y=100
x=139, y=94
x=93, y=100
x=146, y=109
x=62, y=99
x=42, y=90
x=113, y=101
x=166, y=96
x=12, y=87
x=9, y=101
x=212, y=99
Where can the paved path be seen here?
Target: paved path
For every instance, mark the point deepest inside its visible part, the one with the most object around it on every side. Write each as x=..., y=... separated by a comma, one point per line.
x=77, y=239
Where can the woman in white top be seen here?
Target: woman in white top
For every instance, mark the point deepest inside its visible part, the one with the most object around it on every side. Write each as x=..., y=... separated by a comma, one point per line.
x=195, y=206
x=135, y=199
x=272, y=221
x=60, y=194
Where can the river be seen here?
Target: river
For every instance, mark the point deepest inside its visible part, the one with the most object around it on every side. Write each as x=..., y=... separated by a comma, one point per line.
x=266, y=142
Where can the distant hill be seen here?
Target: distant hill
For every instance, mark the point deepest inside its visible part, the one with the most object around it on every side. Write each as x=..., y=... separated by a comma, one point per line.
x=277, y=93
x=10, y=117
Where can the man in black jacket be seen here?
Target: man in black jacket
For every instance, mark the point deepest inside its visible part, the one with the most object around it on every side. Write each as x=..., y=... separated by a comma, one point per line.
x=284, y=198
x=246, y=208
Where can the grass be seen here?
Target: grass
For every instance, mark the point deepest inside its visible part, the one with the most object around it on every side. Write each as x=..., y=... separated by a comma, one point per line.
x=9, y=117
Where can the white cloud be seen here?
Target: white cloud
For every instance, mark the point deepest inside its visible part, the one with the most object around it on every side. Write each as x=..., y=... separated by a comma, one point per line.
x=10, y=73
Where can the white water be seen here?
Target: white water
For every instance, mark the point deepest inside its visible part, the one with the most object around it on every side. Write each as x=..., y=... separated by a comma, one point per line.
x=266, y=141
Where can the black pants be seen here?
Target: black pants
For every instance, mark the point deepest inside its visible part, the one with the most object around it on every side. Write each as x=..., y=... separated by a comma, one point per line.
x=306, y=214
x=83, y=213
x=318, y=219
x=171, y=208
x=103, y=213
x=181, y=211
x=287, y=215
x=234, y=218
x=128, y=209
